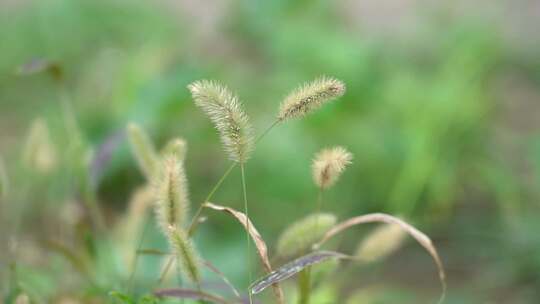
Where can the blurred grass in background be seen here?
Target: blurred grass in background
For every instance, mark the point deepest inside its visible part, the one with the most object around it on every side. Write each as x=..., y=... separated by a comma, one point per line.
x=441, y=114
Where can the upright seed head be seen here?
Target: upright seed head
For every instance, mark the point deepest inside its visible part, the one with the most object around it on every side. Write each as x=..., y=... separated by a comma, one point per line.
x=310, y=97
x=171, y=194
x=186, y=253
x=226, y=113
x=39, y=152
x=299, y=236
x=176, y=146
x=328, y=166
x=143, y=149
x=380, y=243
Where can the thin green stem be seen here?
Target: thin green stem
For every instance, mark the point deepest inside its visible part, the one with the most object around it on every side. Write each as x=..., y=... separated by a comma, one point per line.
x=137, y=254
x=248, y=249
x=318, y=208
x=319, y=201
x=166, y=270
x=304, y=279
x=304, y=286
x=195, y=220
x=265, y=132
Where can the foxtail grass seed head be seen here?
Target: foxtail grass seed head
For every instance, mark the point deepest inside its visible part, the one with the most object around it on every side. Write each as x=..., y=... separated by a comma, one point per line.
x=39, y=151
x=143, y=149
x=176, y=146
x=22, y=299
x=380, y=243
x=299, y=236
x=225, y=111
x=309, y=97
x=328, y=166
x=185, y=253
x=141, y=200
x=171, y=194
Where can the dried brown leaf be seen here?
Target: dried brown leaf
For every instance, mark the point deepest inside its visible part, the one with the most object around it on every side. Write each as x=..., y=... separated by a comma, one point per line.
x=419, y=236
x=262, y=249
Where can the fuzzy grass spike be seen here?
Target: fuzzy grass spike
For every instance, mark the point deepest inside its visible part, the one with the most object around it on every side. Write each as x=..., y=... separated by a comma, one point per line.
x=328, y=166
x=380, y=243
x=309, y=97
x=225, y=111
x=171, y=192
x=185, y=253
x=299, y=237
x=143, y=149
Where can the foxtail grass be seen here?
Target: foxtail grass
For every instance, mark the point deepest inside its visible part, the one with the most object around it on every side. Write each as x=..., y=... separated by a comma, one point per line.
x=185, y=253
x=171, y=191
x=143, y=149
x=39, y=152
x=309, y=97
x=299, y=236
x=380, y=243
x=225, y=111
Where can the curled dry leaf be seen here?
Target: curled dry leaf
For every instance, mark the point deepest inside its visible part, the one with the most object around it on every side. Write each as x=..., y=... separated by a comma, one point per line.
x=288, y=270
x=262, y=249
x=418, y=235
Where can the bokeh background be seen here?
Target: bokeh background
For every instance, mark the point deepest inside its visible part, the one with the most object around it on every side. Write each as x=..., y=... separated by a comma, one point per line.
x=442, y=114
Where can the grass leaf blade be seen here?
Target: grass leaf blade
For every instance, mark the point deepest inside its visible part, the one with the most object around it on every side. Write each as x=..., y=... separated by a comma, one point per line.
x=418, y=235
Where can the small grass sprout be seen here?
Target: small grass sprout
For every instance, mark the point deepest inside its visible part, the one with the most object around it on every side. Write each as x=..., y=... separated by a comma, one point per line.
x=225, y=111
x=309, y=97
x=303, y=233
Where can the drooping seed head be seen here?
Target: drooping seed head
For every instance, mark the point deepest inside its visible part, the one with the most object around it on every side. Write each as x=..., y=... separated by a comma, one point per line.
x=185, y=253
x=299, y=236
x=328, y=165
x=226, y=113
x=39, y=152
x=310, y=97
x=143, y=149
x=177, y=147
x=380, y=243
x=171, y=192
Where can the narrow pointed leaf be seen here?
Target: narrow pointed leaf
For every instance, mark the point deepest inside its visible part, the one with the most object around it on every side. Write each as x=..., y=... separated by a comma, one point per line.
x=290, y=269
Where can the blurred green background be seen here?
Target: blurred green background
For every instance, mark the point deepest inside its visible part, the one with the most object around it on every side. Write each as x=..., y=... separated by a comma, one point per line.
x=442, y=114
